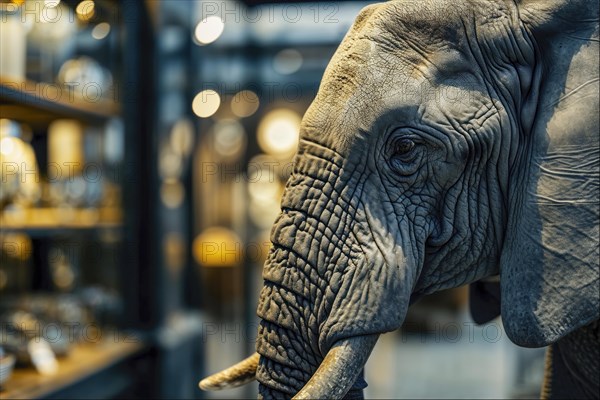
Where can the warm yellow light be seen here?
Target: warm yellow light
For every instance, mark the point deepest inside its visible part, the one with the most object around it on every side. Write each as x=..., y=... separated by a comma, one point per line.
x=209, y=29
x=244, y=103
x=85, y=10
x=229, y=138
x=172, y=193
x=101, y=31
x=263, y=213
x=217, y=247
x=51, y=3
x=278, y=132
x=7, y=146
x=182, y=137
x=65, y=147
x=265, y=189
x=174, y=248
x=206, y=103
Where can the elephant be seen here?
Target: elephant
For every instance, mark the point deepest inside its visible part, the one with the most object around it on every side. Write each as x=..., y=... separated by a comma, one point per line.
x=450, y=142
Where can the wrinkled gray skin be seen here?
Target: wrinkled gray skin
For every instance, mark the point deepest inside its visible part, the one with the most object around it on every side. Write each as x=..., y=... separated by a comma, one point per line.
x=450, y=141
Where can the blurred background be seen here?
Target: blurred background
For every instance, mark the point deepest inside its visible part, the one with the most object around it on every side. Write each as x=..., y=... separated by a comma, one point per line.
x=144, y=146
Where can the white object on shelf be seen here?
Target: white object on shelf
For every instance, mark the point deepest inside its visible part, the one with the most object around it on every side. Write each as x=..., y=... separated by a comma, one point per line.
x=13, y=42
x=7, y=362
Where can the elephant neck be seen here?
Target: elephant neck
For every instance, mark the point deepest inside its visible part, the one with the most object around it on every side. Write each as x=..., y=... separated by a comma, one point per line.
x=573, y=366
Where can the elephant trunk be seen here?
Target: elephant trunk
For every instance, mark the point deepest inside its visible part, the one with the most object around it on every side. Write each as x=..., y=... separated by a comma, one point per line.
x=294, y=303
x=329, y=290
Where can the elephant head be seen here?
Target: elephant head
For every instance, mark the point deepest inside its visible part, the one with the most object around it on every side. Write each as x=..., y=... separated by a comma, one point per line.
x=448, y=142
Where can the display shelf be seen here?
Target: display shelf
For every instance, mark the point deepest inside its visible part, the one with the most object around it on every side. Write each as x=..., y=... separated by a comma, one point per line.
x=42, y=221
x=41, y=103
x=84, y=361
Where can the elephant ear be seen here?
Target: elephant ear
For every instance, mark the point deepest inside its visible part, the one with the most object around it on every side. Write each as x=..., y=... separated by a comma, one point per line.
x=484, y=300
x=550, y=260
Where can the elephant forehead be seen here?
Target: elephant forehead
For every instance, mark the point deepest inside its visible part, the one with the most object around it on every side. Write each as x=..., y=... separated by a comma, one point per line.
x=443, y=20
x=426, y=24
x=400, y=55
x=367, y=82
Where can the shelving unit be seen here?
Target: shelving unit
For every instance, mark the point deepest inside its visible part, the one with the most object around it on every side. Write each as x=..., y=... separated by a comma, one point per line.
x=167, y=361
x=112, y=367
x=97, y=358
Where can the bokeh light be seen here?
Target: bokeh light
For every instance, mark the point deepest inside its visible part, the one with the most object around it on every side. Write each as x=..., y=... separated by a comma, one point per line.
x=287, y=61
x=51, y=3
x=206, y=103
x=7, y=145
x=85, y=10
x=182, y=137
x=101, y=31
x=172, y=193
x=229, y=138
x=244, y=103
x=217, y=247
x=278, y=132
x=209, y=29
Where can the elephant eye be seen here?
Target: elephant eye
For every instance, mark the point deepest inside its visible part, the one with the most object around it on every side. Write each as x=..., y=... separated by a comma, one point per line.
x=403, y=147
x=403, y=155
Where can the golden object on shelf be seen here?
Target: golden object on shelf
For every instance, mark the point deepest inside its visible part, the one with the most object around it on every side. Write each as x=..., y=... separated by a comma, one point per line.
x=16, y=246
x=217, y=247
x=65, y=148
x=62, y=269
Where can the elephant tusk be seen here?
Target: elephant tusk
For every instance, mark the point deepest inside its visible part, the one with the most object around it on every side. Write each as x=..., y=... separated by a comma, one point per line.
x=340, y=368
x=234, y=376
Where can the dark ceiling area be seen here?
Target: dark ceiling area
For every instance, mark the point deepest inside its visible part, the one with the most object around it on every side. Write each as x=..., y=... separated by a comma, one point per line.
x=259, y=2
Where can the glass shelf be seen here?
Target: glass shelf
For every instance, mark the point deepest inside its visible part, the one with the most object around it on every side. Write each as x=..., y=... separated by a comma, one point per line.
x=54, y=220
x=40, y=103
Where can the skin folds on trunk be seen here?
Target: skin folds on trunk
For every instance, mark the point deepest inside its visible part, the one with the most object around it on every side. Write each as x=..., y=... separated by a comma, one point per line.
x=296, y=295
x=317, y=275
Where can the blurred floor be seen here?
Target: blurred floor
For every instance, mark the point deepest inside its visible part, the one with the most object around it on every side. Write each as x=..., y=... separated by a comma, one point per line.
x=457, y=359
